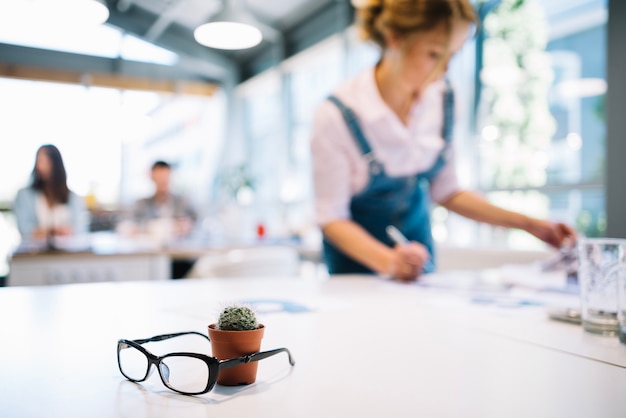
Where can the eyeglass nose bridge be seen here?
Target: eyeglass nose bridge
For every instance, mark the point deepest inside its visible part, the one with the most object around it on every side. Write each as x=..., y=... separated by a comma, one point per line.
x=164, y=371
x=153, y=363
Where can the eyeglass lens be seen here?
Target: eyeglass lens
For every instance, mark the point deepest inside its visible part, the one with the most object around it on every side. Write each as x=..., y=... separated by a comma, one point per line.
x=185, y=373
x=133, y=363
x=179, y=372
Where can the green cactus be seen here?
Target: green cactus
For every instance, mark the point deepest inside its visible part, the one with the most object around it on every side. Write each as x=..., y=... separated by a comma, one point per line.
x=237, y=318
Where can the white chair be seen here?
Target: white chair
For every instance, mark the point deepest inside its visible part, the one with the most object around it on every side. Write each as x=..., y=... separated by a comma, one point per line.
x=262, y=261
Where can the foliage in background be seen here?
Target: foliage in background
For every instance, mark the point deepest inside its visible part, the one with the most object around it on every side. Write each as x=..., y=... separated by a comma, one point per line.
x=516, y=123
x=233, y=181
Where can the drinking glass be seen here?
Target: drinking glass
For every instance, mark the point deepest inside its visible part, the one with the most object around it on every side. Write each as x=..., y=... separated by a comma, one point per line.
x=602, y=264
x=621, y=307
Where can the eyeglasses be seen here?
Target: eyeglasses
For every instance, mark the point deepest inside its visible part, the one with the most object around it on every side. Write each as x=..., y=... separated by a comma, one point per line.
x=186, y=373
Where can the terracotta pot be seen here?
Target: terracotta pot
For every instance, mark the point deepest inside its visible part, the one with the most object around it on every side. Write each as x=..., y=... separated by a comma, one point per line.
x=230, y=344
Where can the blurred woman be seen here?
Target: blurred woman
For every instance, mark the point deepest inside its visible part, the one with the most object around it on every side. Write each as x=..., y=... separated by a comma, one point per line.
x=48, y=207
x=382, y=146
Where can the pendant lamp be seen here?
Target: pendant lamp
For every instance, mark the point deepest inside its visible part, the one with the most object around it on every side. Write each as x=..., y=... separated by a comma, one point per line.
x=234, y=27
x=58, y=14
x=95, y=12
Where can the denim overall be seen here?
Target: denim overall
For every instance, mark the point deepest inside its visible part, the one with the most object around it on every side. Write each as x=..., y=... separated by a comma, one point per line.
x=400, y=201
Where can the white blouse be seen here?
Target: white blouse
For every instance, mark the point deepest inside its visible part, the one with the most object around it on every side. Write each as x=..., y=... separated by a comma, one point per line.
x=340, y=171
x=57, y=216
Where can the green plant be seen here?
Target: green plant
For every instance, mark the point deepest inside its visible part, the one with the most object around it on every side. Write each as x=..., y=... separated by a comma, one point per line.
x=237, y=318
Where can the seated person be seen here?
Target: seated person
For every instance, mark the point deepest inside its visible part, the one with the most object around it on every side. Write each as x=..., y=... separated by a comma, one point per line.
x=165, y=205
x=47, y=207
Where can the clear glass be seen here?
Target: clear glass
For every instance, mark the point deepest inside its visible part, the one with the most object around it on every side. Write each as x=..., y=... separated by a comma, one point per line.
x=602, y=263
x=141, y=126
x=540, y=123
x=542, y=98
x=621, y=306
x=184, y=373
x=133, y=363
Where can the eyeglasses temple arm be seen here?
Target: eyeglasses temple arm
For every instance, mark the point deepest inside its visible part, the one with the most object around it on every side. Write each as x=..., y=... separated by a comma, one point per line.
x=234, y=362
x=168, y=336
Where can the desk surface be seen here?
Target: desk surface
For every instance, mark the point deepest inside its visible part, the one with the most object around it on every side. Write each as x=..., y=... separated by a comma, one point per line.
x=364, y=347
x=106, y=243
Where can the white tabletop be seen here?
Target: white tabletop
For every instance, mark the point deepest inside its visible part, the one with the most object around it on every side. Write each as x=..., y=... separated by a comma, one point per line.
x=364, y=347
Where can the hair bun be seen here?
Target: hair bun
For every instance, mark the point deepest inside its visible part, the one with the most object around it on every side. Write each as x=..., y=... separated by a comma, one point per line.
x=359, y=4
x=368, y=16
x=378, y=18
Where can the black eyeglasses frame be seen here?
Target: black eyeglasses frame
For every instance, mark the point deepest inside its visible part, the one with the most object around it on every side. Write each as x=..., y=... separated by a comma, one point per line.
x=214, y=365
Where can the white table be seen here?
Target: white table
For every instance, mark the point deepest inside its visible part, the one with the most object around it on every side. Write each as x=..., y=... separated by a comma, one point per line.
x=82, y=267
x=366, y=347
x=95, y=257
x=104, y=256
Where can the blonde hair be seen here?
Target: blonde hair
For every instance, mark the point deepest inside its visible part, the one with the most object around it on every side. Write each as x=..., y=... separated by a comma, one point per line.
x=403, y=18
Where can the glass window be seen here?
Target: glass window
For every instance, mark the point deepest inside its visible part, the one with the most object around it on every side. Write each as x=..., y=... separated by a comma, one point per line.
x=104, y=134
x=278, y=108
x=312, y=76
x=102, y=41
x=541, y=119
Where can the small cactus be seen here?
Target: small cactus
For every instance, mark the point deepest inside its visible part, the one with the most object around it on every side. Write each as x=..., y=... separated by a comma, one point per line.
x=237, y=318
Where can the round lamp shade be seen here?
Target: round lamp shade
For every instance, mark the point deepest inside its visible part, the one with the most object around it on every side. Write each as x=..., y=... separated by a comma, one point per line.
x=53, y=14
x=228, y=35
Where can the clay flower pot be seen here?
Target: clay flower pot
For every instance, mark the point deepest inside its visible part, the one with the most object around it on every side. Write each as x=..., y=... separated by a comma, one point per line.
x=230, y=344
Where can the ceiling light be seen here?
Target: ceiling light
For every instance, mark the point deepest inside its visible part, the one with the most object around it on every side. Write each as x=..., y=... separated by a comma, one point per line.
x=58, y=13
x=232, y=28
x=92, y=12
x=228, y=35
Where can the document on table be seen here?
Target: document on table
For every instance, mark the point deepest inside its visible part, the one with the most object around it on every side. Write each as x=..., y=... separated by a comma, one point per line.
x=507, y=286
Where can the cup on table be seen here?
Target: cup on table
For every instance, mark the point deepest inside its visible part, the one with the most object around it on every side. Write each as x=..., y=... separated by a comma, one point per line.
x=602, y=267
x=621, y=307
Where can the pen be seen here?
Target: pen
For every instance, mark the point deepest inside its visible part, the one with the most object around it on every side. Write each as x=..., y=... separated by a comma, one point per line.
x=398, y=237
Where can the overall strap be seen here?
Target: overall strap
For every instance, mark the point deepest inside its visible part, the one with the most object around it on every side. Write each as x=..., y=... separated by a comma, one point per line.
x=446, y=133
x=448, y=114
x=353, y=126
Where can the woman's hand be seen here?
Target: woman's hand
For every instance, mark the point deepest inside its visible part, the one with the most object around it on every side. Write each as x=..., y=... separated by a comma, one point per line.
x=407, y=261
x=40, y=233
x=62, y=231
x=43, y=233
x=555, y=234
x=404, y=262
x=475, y=207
